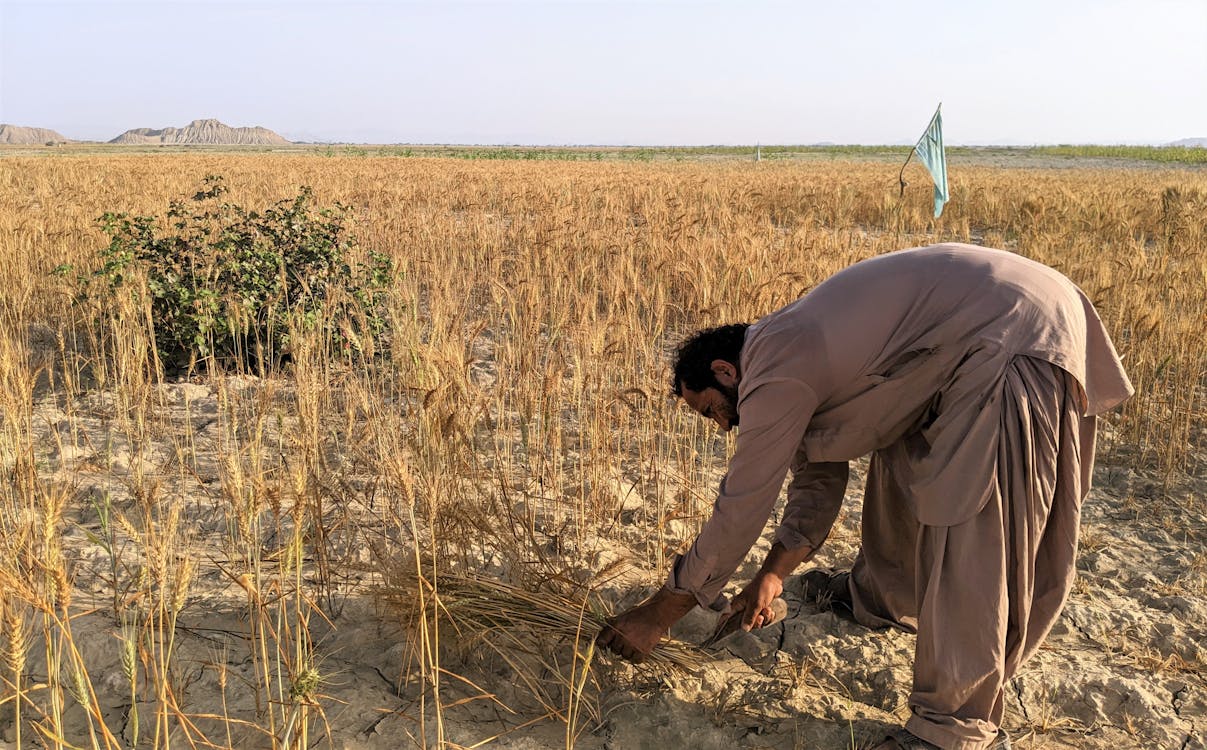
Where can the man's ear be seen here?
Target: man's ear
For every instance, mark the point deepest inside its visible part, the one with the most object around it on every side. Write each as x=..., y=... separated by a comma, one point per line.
x=725, y=372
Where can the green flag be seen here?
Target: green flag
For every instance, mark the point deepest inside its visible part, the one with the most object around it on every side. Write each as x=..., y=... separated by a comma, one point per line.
x=930, y=152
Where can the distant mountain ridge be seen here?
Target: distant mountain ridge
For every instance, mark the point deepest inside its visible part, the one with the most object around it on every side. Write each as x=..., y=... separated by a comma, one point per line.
x=216, y=133
x=16, y=134
x=203, y=132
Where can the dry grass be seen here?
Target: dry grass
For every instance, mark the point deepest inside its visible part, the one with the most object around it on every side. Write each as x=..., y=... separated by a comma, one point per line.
x=516, y=427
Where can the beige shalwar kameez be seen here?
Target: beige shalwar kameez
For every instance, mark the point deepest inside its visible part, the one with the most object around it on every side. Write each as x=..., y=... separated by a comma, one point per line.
x=972, y=377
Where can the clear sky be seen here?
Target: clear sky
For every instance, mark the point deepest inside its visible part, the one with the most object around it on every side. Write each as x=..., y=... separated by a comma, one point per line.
x=661, y=72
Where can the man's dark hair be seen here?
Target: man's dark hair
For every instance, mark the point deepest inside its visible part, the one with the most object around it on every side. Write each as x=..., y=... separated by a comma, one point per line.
x=694, y=357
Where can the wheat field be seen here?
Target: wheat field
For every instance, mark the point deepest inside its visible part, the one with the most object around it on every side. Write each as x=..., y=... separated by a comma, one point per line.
x=219, y=560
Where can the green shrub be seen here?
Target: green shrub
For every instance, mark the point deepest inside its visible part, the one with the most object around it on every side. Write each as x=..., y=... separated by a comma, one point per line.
x=231, y=284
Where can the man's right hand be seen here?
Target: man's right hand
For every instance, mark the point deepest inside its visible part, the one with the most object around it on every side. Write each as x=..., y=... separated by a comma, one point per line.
x=633, y=634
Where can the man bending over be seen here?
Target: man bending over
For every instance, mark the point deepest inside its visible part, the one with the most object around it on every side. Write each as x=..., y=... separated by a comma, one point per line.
x=972, y=377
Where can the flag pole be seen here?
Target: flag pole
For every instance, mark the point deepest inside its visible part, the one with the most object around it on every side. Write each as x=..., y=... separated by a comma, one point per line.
x=901, y=177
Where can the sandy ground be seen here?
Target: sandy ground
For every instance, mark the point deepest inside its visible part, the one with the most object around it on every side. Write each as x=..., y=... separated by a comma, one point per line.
x=1124, y=668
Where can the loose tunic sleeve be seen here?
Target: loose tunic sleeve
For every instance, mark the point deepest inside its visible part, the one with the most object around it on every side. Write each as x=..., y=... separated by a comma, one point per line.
x=774, y=416
x=815, y=495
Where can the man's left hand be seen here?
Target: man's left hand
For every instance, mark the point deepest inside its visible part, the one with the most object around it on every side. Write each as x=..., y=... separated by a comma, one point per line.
x=753, y=605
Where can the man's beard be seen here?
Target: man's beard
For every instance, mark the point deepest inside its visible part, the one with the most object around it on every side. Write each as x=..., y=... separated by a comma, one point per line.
x=731, y=403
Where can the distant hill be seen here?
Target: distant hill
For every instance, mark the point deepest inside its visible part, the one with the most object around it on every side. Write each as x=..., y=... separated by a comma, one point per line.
x=1191, y=142
x=203, y=132
x=27, y=136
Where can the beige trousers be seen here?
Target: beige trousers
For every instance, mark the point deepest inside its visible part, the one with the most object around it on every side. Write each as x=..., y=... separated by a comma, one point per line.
x=981, y=595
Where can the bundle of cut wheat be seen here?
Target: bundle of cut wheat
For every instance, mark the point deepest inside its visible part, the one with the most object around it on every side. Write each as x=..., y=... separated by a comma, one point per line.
x=482, y=607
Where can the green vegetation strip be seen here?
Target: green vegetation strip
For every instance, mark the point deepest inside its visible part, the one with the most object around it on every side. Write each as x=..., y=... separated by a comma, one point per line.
x=1168, y=154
